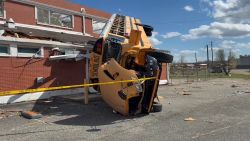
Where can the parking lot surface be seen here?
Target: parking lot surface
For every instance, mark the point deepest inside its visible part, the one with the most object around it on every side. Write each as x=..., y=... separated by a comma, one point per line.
x=217, y=110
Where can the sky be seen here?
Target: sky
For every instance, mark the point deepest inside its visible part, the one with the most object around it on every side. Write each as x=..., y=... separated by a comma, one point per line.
x=186, y=27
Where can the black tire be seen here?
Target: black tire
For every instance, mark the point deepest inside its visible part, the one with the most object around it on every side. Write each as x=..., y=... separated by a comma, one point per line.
x=161, y=57
x=149, y=34
x=157, y=107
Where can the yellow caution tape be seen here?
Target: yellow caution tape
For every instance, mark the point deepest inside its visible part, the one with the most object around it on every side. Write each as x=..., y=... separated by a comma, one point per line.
x=17, y=92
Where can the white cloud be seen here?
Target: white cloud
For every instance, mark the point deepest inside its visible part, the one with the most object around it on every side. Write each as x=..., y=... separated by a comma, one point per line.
x=171, y=35
x=233, y=11
x=188, y=8
x=232, y=20
x=187, y=52
x=219, y=30
x=154, y=40
x=229, y=44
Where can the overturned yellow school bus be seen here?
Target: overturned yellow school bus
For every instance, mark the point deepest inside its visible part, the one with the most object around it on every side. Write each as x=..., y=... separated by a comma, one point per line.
x=124, y=52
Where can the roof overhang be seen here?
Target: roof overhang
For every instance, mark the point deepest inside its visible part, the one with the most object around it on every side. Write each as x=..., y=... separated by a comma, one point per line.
x=35, y=42
x=59, y=35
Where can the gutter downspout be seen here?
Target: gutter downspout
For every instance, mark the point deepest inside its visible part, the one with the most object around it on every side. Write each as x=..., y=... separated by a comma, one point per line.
x=83, y=22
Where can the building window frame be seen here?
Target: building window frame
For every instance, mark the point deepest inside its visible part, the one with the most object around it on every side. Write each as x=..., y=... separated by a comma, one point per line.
x=38, y=54
x=3, y=16
x=49, y=18
x=8, y=50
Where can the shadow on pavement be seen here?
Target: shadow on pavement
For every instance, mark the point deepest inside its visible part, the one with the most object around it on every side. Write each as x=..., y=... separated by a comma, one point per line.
x=66, y=112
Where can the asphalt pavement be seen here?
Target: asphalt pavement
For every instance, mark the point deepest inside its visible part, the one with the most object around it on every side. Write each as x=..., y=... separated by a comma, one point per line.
x=215, y=110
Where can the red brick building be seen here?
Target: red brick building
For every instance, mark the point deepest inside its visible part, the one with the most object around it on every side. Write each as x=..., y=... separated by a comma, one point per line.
x=32, y=30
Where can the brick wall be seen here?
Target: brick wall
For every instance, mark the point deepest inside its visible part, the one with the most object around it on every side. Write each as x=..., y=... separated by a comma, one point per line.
x=164, y=72
x=20, y=73
x=22, y=13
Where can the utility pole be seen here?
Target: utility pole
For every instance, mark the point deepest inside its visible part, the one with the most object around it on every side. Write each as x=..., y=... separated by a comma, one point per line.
x=208, y=66
x=207, y=57
x=196, y=66
x=196, y=58
x=212, y=51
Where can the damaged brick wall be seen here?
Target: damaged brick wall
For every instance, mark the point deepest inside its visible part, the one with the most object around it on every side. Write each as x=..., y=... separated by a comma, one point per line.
x=20, y=73
x=25, y=14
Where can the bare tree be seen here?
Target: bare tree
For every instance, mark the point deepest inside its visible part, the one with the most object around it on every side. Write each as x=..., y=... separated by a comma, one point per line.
x=220, y=57
x=182, y=59
x=232, y=61
x=182, y=63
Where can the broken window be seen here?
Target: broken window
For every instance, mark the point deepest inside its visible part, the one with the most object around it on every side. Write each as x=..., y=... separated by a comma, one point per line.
x=29, y=51
x=43, y=16
x=98, y=26
x=60, y=19
x=1, y=9
x=54, y=18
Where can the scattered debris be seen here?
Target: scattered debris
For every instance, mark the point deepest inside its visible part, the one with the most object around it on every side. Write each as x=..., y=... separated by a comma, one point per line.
x=186, y=91
x=186, y=94
x=234, y=86
x=238, y=92
x=30, y=115
x=8, y=113
x=189, y=119
x=93, y=129
x=209, y=121
x=44, y=101
x=115, y=112
x=160, y=97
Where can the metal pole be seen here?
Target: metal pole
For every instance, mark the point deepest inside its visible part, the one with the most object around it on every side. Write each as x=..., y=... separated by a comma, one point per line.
x=87, y=65
x=207, y=57
x=86, y=80
x=212, y=50
x=208, y=66
x=196, y=65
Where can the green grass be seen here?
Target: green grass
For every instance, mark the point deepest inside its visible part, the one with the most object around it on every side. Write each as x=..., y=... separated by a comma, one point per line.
x=242, y=76
x=203, y=76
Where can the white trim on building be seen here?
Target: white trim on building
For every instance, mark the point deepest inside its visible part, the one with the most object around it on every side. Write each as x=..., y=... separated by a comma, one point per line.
x=39, y=95
x=10, y=40
x=50, y=29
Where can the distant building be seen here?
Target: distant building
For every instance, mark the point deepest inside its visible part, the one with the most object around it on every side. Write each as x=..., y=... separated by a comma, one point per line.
x=244, y=62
